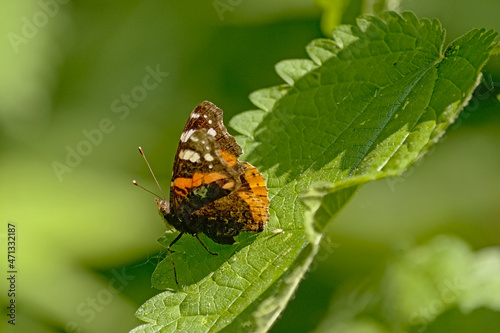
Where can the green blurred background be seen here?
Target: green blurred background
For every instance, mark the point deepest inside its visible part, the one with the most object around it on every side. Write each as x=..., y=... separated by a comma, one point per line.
x=86, y=238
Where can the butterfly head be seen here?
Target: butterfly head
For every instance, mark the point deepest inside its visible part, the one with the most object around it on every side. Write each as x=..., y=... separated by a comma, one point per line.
x=163, y=206
x=164, y=211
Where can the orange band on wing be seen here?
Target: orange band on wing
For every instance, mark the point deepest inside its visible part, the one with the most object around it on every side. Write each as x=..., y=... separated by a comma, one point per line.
x=256, y=197
x=183, y=185
x=183, y=182
x=228, y=157
x=201, y=178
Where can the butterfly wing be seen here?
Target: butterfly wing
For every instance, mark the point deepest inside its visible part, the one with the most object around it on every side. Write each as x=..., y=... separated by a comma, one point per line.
x=211, y=191
x=202, y=175
x=245, y=209
x=207, y=115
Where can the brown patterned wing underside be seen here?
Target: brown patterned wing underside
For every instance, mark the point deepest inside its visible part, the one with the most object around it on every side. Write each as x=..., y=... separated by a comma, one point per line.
x=203, y=174
x=245, y=209
x=208, y=115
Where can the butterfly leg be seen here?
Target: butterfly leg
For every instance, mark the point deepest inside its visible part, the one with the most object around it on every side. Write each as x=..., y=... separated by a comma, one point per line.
x=170, y=254
x=203, y=244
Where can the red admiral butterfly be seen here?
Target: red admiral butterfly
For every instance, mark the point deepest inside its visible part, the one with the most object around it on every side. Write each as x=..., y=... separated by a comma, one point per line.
x=211, y=191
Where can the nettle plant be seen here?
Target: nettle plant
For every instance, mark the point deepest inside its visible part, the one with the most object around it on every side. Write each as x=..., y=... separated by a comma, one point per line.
x=365, y=106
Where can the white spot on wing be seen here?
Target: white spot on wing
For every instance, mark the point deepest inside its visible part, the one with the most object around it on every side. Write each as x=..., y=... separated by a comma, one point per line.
x=204, y=116
x=195, y=115
x=191, y=155
x=208, y=157
x=211, y=132
x=210, y=121
x=182, y=154
x=186, y=135
x=195, y=157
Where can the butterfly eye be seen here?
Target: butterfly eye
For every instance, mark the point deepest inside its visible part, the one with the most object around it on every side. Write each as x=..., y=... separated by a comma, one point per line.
x=163, y=206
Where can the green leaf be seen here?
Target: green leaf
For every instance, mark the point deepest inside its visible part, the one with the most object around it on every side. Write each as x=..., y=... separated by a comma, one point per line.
x=371, y=102
x=419, y=285
x=496, y=49
x=447, y=270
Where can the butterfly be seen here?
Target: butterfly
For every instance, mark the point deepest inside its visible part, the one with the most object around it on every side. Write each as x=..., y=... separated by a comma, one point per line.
x=211, y=191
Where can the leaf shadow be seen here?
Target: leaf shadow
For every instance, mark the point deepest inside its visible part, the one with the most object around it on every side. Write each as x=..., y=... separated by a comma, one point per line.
x=193, y=263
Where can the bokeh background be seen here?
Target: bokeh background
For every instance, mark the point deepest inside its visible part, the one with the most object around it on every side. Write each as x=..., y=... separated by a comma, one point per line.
x=86, y=238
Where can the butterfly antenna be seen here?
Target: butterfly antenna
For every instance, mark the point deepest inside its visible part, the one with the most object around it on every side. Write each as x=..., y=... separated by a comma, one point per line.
x=152, y=173
x=145, y=189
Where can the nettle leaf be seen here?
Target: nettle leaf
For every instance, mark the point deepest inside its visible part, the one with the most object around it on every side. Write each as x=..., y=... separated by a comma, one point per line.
x=365, y=106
